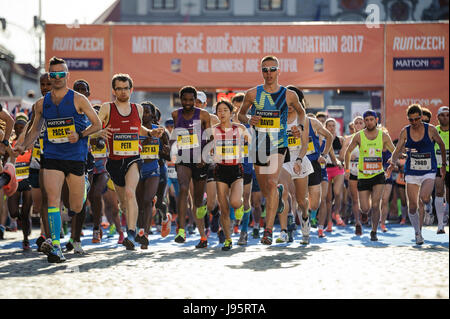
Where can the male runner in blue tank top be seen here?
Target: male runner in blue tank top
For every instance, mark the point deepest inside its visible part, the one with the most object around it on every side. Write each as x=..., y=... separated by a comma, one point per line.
x=419, y=139
x=269, y=107
x=65, y=113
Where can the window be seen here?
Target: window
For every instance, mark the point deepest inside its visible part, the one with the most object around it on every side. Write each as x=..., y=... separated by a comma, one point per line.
x=268, y=5
x=163, y=4
x=217, y=4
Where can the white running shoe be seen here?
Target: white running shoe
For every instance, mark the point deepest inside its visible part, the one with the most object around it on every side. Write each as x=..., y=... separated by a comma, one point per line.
x=283, y=237
x=419, y=239
x=77, y=249
x=306, y=228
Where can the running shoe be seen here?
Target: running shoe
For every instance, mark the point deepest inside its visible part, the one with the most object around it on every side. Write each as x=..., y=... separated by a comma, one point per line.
x=139, y=236
x=267, y=237
x=181, y=236
x=39, y=242
x=313, y=222
x=221, y=236
x=128, y=244
x=358, y=229
x=47, y=246
x=202, y=244
x=12, y=226
x=403, y=221
x=419, y=239
x=339, y=221
x=364, y=218
x=236, y=229
x=215, y=222
x=373, y=236
x=112, y=230
x=26, y=245
x=255, y=233
x=191, y=229
x=243, y=237
x=144, y=242
x=165, y=225
x=2, y=232
x=77, y=249
x=283, y=237
x=97, y=236
x=280, y=189
x=306, y=228
x=428, y=219
x=56, y=255
x=321, y=234
x=383, y=227
x=121, y=238
x=329, y=227
x=291, y=228
x=440, y=231
x=227, y=245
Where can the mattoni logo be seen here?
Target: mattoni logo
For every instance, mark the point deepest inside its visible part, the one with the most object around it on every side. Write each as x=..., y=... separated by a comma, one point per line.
x=422, y=101
x=84, y=64
x=419, y=63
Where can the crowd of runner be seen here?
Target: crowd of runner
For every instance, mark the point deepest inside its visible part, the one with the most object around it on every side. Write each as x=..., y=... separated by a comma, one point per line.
x=257, y=160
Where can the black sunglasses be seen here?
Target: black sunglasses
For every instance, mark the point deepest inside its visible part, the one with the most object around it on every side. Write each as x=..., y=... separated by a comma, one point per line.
x=271, y=69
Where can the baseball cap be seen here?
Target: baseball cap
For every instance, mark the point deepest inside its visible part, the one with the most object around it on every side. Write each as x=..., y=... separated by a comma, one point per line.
x=169, y=122
x=21, y=118
x=201, y=96
x=442, y=109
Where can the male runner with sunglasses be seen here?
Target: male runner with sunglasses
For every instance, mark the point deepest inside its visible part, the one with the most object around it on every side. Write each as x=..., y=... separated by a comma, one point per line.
x=419, y=139
x=66, y=114
x=269, y=108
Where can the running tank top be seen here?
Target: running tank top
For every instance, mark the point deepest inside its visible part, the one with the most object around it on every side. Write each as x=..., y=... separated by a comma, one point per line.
x=421, y=155
x=370, y=161
x=60, y=120
x=444, y=136
x=124, y=141
x=37, y=151
x=313, y=151
x=22, y=164
x=336, y=146
x=189, y=137
x=273, y=109
x=228, y=145
x=150, y=146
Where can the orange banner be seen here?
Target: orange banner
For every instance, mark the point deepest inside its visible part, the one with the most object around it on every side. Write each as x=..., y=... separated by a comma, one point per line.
x=86, y=50
x=220, y=56
x=416, y=71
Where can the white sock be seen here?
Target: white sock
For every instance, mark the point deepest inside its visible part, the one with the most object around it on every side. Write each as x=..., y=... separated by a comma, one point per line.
x=440, y=211
x=414, y=219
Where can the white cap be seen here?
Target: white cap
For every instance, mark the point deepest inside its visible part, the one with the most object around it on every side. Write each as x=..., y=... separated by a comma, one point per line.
x=201, y=96
x=442, y=109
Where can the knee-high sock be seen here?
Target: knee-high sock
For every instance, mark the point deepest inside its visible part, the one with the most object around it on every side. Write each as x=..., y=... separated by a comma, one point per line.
x=54, y=223
x=246, y=219
x=440, y=211
x=414, y=219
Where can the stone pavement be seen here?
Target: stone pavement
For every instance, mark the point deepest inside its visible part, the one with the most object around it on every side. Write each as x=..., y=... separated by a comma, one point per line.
x=340, y=266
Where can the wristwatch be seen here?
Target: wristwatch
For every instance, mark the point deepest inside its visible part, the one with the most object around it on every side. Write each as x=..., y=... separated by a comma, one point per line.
x=6, y=142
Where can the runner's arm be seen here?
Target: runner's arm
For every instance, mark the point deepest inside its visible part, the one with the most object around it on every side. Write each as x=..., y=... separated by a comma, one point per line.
x=355, y=141
x=324, y=132
x=398, y=149
x=387, y=142
x=33, y=133
x=438, y=139
x=85, y=106
x=246, y=104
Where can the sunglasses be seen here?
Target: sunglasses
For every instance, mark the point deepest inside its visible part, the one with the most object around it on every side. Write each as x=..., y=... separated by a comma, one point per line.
x=61, y=75
x=271, y=69
x=414, y=119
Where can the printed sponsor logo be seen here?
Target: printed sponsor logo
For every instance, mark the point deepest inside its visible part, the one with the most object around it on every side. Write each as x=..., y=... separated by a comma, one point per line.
x=84, y=64
x=425, y=63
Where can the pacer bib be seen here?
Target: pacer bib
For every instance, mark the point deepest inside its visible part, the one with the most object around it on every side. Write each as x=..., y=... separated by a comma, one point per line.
x=372, y=165
x=125, y=144
x=22, y=170
x=269, y=122
x=58, y=130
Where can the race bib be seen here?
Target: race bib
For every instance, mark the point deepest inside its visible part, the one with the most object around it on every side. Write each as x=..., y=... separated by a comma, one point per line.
x=22, y=170
x=187, y=141
x=372, y=165
x=171, y=171
x=227, y=149
x=354, y=166
x=294, y=143
x=269, y=122
x=245, y=150
x=420, y=161
x=150, y=151
x=38, y=146
x=311, y=149
x=439, y=157
x=97, y=152
x=125, y=144
x=58, y=130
